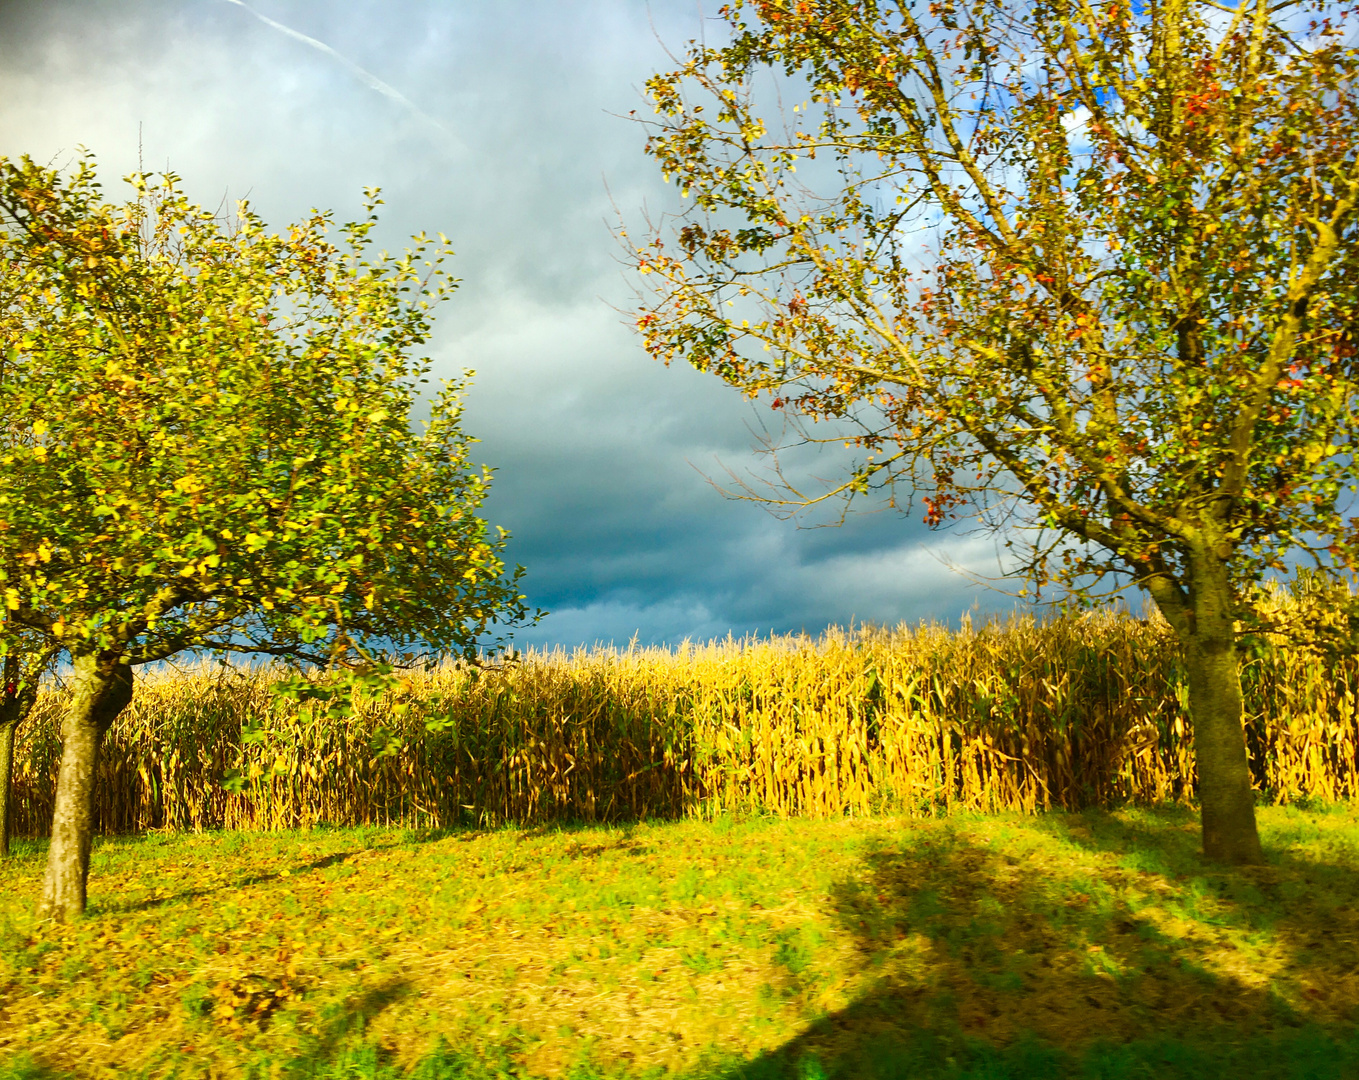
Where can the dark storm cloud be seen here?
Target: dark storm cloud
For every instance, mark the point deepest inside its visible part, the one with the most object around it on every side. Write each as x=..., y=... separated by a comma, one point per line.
x=497, y=126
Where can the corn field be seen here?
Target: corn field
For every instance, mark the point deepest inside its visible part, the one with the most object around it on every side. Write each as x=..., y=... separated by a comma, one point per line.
x=1026, y=715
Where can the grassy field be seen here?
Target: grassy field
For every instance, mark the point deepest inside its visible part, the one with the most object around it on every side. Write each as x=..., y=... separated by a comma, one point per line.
x=1091, y=944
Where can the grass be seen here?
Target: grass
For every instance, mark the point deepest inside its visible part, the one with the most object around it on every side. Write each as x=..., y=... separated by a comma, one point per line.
x=1091, y=944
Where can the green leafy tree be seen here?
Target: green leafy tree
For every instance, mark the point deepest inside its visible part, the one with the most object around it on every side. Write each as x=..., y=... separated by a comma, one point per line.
x=209, y=444
x=1085, y=269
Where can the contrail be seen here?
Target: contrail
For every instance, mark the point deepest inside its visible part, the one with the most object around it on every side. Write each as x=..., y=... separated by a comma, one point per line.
x=366, y=77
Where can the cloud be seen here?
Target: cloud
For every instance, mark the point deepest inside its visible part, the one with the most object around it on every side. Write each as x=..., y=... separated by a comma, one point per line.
x=1075, y=121
x=364, y=76
x=601, y=454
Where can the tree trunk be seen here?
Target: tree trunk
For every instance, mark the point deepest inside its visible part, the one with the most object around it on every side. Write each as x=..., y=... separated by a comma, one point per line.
x=1207, y=636
x=7, y=730
x=20, y=693
x=1225, y=795
x=101, y=689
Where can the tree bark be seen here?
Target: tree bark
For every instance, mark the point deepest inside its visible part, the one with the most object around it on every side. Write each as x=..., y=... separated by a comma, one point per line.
x=7, y=729
x=1225, y=796
x=17, y=697
x=101, y=689
x=1203, y=622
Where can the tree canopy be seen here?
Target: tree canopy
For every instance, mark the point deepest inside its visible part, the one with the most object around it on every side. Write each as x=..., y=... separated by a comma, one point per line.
x=1085, y=269
x=210, y=441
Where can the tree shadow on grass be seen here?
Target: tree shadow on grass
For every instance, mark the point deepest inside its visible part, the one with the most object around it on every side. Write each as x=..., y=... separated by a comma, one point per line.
x=114, y=906
x=103, y=904
x=25, y=1068
x=988, y=961
x=332, y=1052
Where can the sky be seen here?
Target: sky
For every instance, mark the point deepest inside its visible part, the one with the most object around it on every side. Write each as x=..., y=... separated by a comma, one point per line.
x=503, y=126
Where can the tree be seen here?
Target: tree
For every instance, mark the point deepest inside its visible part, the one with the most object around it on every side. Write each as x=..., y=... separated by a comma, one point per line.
x=23, y=664
x=208, y=445
x=1085, y=269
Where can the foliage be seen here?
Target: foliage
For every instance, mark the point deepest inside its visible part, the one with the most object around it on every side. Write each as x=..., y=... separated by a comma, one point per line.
x=733, y=949
x=207, y=434
x=1080, y=711
x=1089, y=267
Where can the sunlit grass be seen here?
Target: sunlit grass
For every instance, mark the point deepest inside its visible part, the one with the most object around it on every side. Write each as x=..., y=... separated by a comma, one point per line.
x=984, y=946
